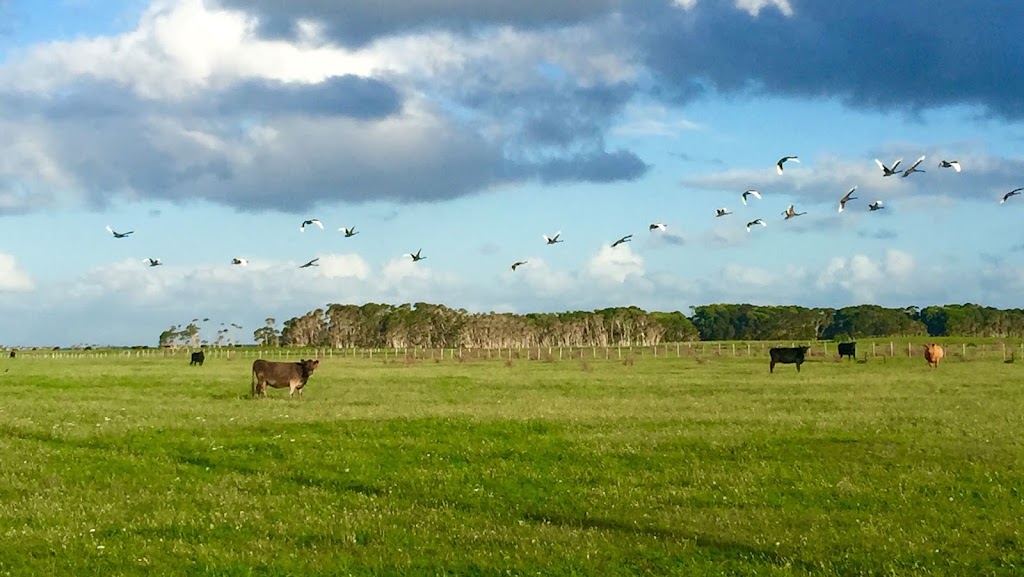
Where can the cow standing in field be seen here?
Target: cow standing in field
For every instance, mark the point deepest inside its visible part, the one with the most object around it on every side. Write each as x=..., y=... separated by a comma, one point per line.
x=280, y=375
x=848, y=350
x=787, y=355
x=933, y=354
x=198, y=358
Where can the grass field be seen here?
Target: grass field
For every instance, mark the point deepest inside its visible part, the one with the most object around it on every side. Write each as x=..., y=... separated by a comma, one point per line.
x=665, y=466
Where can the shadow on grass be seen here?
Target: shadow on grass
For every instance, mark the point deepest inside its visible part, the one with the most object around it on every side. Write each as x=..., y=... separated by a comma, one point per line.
x=716, y=547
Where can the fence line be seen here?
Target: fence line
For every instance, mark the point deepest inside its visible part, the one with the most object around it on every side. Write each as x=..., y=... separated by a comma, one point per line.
x=865, y=350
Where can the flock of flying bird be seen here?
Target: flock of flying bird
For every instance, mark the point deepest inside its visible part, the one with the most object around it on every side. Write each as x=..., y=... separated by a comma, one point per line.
x=789, y=213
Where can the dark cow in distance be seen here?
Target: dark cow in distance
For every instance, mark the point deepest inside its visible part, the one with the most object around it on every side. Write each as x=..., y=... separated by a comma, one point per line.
x=848, y=350
x=12, y=354
x=787, y=355
x=280, y=375
x=198, y=358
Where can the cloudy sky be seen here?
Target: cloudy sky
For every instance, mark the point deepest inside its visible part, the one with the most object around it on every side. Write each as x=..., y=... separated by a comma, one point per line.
x=468, y=129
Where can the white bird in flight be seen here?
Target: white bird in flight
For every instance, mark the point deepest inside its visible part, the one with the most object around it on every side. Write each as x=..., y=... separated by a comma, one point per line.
x=913, y=167
x=778, y=165
x=847, y=198
x=316, y=221
x=659, y=226
x=791, y=213
x=349, y=231
x=308, y=264
x=240, y=261
x=627, y=238
x=416, y=257
x=954, y=164
x=877, y=205
x=553, y=239
x=518, y=264
x=750, y=192
x=118, y=234
x=886, y=170
x=722, y=212
x=754, y=222
x=1007, y=196
x=153, y=261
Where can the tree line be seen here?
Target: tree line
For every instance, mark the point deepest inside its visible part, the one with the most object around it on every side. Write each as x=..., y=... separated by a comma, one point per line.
x=437, y=326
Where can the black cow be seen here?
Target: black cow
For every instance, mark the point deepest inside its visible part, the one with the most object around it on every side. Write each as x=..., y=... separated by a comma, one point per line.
x=12, y=353
x=848, y=350
x=279, y=375
x=787, y=355
x=198, y=358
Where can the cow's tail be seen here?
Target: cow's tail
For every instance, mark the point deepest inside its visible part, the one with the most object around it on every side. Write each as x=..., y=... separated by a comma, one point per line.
x=252, y=389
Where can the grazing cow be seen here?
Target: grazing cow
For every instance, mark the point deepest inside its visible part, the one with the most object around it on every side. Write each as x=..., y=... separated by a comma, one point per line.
x=12, y=353
x=787, y=355
x=848, y=350
x=933, y=354
x=198, y=358
x=279, y=375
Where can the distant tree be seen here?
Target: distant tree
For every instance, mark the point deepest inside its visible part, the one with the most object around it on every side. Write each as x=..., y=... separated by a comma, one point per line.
x=267, y=335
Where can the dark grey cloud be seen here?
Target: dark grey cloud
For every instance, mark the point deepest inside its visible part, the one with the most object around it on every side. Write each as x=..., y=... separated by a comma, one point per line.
x=597, y=166
x=869, y=54
x=210, y=146
x=356, y=22
x=347, y=95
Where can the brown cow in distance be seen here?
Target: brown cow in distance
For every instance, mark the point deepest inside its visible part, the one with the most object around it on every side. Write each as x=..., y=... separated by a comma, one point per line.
x=933, y=354
x=280, y=375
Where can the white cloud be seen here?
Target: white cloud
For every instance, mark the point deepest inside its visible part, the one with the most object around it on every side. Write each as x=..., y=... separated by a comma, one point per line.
x=614, y=265
x=178, y=47
x=343, y=266
x=12, y=277
x=541, y=279
x=753, y=7
x=865, y=279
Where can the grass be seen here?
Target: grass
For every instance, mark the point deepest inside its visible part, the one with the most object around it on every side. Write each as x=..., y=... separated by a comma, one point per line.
x=661, y=466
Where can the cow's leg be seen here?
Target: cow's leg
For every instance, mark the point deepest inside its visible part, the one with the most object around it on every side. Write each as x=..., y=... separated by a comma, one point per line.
x=798, y=367
x=771, y=367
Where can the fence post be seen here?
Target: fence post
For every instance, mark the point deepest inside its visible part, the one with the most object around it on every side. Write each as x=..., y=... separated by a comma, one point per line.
x=964, y=349
x=909, y=354
x=892, y=350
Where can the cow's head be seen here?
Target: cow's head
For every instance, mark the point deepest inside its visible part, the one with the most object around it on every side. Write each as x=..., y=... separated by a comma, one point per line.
x=308, y=366
x=804, y=350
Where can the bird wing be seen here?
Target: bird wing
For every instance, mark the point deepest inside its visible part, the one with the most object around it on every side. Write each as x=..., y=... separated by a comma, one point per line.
x=917, y=162
x=955, y=165
x=318, y=223
x=895, y=164
x=110, y=230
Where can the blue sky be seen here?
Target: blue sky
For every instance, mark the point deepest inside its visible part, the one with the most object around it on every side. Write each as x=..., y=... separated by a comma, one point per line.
x=212, y=128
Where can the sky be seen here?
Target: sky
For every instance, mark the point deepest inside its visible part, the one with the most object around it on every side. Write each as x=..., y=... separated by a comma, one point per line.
x=468, y=130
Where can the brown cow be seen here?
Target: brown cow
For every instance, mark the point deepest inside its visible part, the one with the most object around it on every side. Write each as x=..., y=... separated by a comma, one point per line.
x=933, y=354
x=280, y=375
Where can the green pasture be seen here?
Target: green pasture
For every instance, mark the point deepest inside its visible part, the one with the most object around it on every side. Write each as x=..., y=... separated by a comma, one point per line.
x=698, y=464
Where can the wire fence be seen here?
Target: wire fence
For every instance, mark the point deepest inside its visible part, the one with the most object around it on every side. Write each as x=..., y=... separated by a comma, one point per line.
x=1006, y=351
